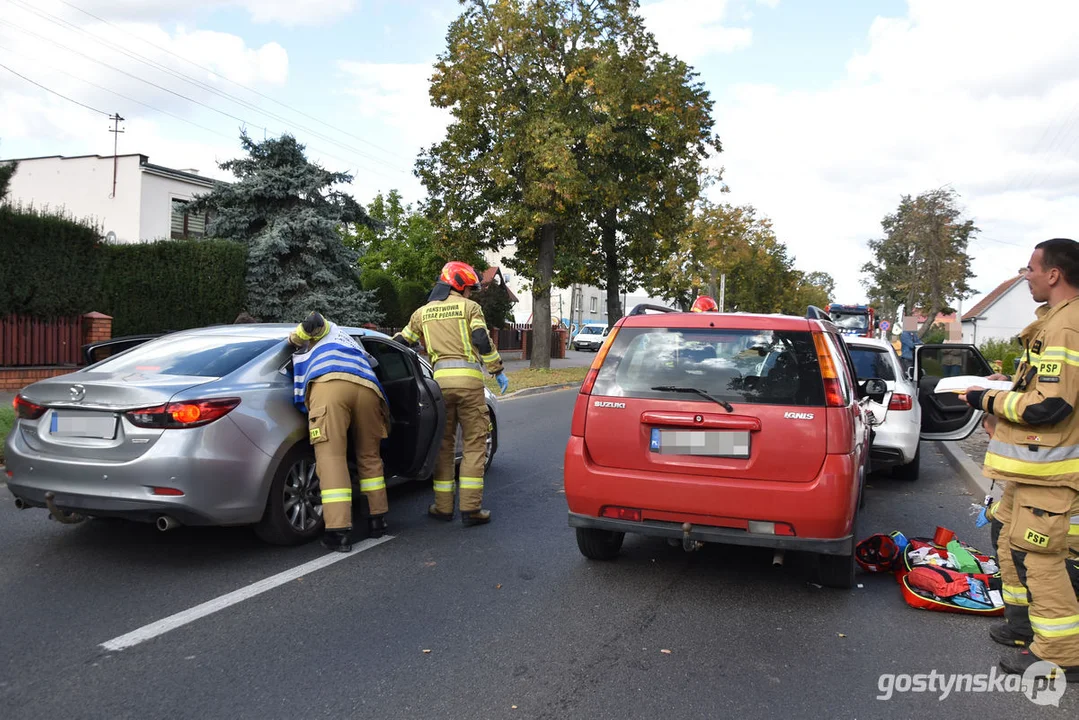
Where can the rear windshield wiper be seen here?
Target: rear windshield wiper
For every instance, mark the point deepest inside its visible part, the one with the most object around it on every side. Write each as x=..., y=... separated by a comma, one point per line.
x=675, y=388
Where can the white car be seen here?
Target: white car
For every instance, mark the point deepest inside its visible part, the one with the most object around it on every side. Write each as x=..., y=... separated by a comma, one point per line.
x=895, y=442
x=590, y=337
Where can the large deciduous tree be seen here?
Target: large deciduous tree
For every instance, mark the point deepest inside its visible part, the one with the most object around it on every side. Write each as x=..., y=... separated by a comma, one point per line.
x=403, y=242
x=286, y=210
x=7, y=171
x=922, y=261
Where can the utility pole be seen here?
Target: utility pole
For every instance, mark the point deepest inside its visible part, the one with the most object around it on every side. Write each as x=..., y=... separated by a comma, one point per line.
x=115, y=130
x=722, y=290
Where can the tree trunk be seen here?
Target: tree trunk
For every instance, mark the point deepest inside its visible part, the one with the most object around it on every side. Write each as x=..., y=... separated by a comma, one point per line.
x=541, y=301
x=614, y=274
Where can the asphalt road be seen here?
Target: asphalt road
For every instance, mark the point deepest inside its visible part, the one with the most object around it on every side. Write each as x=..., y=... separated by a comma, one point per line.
x=517, y=622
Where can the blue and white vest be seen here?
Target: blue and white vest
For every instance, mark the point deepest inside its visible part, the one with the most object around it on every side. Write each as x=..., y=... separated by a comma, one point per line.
x=335, y=353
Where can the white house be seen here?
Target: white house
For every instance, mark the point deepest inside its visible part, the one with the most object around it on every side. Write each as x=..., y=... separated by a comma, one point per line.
x=1001, y=314
x=130, y=198
x=578, y=304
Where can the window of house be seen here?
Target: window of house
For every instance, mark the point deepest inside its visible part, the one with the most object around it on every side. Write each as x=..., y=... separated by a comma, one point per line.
x=186, y=224
x=594, y=304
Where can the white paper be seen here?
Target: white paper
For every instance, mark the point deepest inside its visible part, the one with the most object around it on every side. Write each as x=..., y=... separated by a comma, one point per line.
x=995, y=596
x=960, y=384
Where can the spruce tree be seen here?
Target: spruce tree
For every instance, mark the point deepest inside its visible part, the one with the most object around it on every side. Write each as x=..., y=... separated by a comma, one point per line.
x=286, y=210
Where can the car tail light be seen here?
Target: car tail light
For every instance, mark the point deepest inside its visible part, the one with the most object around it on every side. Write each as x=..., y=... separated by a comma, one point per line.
x=833, y=388
x=26, y=410
x=621, y=513
x=901, y=401
x=191, y=414
x=593, y=372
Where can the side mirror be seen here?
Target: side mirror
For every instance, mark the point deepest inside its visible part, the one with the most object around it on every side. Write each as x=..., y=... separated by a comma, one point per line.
x=876, y=389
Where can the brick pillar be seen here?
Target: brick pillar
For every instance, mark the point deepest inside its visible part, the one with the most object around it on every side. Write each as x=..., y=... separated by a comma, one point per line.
x=96, y=327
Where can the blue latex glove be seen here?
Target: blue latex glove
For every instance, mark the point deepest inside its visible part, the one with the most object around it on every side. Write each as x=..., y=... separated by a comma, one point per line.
x=982, y=520
x=503, y=382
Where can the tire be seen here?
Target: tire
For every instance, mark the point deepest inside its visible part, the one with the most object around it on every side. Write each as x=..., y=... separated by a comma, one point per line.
x=599, y=544
x=295, y=479
x=911, y=470
x=836, y=571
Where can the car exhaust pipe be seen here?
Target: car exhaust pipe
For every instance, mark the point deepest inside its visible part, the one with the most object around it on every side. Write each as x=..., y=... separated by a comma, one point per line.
x=165, y=523
x=20, y=504
x=688, y=544
x=59, y=515
x=777, y=558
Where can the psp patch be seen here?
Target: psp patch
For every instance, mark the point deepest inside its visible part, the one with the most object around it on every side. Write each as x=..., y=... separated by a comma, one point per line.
x=316, y=433
x=1049, y=368
x=1036, y=538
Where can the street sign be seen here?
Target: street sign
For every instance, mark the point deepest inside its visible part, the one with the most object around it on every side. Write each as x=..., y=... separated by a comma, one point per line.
x=884, y=325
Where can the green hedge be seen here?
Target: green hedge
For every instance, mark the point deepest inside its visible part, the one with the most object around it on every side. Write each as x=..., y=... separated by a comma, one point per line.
x=49, y=264
x=172, y=285
x=52, y=266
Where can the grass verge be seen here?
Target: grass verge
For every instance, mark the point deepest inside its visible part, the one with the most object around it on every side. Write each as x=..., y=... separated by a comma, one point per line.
x=7, y=419
x=522, y=379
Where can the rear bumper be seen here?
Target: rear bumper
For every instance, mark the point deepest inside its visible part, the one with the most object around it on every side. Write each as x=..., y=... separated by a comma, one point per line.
x=223, y=477
x=820, y=512
x=896, y=441
x=726, y=536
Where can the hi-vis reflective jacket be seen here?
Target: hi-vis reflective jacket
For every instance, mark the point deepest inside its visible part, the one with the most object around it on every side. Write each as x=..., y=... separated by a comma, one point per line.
x=1037, y=440
x=334, y=356
x=455, y=335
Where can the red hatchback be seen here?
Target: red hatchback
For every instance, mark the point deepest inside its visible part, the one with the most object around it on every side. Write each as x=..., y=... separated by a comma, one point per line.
x=730, y=428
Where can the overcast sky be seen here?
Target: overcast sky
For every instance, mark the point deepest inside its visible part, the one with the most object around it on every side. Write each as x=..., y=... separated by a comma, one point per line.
x=828, y=111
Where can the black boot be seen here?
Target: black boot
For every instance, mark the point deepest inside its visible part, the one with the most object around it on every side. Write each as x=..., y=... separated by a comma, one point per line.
x=377, y=525
x=1004, y=634
x=475, y=517
x=1018, y=663
x=339, y=539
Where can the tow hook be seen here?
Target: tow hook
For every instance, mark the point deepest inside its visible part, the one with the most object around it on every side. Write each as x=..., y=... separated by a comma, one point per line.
x=59, y=515
x=688, y=544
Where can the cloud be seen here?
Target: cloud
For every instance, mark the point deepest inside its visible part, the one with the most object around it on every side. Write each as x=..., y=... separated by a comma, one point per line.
x=977, y=95
x=694, y=29
x=282, y=12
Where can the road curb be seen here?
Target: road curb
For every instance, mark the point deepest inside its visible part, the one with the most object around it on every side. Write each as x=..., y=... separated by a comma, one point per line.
x=977, y=484
x=539, y=390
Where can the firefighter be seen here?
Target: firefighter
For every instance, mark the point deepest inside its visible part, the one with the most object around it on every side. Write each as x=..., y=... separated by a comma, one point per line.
x=704, y=303
x=454, y=333
x=1035, y=449
x=334, y=382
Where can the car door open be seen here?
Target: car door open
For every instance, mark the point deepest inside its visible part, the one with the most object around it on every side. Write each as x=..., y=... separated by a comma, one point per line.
x=417, y=407
x=944, y=415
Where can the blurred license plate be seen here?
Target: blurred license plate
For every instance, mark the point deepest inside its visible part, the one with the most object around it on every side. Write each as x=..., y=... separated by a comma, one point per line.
x=711, y=443
x=84, y=425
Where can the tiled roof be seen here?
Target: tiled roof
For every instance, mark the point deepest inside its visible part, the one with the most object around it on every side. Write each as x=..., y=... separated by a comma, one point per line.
x=489, y=275
x=986, y=302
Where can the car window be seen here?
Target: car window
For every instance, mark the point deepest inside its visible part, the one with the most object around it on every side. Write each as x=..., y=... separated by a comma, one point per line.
x=850, y=322
x=392, y=363
x=747, y=366
x=198, y=356
x=591, y=331
x=872, y=363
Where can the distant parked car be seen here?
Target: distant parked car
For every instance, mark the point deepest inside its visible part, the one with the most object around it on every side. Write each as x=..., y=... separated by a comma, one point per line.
x=590, y=337
x=199, y=428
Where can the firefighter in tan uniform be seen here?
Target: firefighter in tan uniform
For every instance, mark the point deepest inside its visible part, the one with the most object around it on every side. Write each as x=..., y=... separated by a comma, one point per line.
x=1035, y=449
x=335, y=383
x=454, y=333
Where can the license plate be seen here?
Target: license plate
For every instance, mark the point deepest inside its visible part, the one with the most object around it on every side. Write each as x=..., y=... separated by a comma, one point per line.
x=84, y=425
x=709, y=443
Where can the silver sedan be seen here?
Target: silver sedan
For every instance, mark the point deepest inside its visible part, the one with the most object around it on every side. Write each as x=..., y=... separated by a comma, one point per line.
x=198, y=428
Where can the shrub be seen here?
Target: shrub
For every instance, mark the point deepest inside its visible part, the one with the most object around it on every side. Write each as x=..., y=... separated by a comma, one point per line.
x=382, y=285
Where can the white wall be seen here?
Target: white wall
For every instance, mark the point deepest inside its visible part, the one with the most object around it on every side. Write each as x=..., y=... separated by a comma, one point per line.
x=1005, y=318
x=81, y=188
x=158, y=193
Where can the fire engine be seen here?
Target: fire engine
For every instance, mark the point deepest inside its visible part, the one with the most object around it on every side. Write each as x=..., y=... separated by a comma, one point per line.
x=856, y=320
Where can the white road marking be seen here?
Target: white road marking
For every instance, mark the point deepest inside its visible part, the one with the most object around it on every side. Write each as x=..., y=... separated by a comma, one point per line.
x=180, y=619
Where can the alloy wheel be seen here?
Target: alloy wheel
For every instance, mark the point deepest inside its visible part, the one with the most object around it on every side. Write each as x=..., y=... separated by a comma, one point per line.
x=303, y=501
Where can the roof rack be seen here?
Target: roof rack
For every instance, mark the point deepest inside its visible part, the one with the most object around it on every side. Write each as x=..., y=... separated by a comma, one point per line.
x=640, y=309
x=815, y=313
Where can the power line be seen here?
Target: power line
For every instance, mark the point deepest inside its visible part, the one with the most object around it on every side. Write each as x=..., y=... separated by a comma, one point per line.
x=166, y=112
x=237, y=84
x=197, y=83
x=65, y=97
